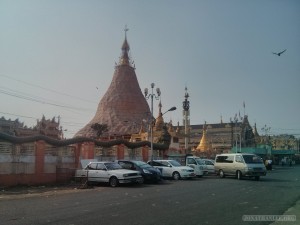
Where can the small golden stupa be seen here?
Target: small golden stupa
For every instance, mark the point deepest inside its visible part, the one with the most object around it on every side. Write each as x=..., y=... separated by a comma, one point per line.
x=204, y=144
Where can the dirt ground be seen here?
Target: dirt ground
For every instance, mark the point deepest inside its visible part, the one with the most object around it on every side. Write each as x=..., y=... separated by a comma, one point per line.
x=30, y=191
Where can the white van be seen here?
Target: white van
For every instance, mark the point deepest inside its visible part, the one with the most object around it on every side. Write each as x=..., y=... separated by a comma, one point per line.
x=239, y=165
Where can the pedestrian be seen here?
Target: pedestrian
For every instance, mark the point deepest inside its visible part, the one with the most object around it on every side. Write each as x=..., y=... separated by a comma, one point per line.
x=270, y=162
x=282, y=162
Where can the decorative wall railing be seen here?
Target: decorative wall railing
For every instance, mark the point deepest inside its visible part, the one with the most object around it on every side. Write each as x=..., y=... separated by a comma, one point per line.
x=164, y=145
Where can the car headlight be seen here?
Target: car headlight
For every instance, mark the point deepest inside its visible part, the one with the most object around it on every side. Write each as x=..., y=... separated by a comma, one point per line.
x=126, y=175
x=147, y=171
x=249, y=168
x=184, y=170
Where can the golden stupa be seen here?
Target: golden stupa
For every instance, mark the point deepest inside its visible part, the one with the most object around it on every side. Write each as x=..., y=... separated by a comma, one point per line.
x=204, y=144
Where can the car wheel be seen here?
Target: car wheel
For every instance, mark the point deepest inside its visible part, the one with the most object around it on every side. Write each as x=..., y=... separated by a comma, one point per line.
x=176, y=176
x=239, y=175
x=113, y=182
x=257, y=178
x=141, y=180
x=221, y=174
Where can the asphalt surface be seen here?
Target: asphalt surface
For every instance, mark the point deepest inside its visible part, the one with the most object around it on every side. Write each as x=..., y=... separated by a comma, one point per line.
x=208, y=200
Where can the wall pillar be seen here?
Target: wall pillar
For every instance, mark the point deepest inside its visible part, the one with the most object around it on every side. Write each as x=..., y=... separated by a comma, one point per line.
x=165, y=153
x=145, y=153
x=77, y=155
x=120, y=152
x=39, y=160
x=88, y=150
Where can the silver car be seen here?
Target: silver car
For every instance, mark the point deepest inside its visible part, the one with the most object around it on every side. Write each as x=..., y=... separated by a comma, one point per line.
x=173, y=169
x=109, y=172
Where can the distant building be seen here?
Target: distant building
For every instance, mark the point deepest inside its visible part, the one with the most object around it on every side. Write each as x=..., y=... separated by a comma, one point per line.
x=10, y=126
x=210, y=139
x=50, y=128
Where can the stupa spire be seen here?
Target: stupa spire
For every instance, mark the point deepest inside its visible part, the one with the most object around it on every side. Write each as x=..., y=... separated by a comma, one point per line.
x=124, y=58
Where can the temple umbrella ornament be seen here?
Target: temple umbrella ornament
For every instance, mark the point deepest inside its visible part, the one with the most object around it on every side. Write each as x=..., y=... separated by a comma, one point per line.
x=186, y=120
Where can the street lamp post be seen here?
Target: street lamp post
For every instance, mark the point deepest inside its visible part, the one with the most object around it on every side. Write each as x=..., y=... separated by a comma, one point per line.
x=156, y=96
x=171, y=109
x=235, y=120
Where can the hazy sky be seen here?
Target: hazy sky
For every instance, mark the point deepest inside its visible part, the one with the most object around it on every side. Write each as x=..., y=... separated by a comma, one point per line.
x=57, y=58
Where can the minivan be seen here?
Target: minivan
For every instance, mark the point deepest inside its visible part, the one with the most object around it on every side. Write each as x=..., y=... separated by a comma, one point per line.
x=240, y=165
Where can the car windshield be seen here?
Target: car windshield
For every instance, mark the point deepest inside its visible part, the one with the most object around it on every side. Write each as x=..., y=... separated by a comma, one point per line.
x=142, y=164
x=174, y=163
x=113, y=166
x=200, y=161
x=252, y=159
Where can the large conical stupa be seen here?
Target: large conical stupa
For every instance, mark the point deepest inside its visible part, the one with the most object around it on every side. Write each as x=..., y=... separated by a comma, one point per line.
x=123, y=107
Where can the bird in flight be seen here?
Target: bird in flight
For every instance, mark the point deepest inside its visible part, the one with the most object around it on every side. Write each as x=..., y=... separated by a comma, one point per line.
x=279, y=53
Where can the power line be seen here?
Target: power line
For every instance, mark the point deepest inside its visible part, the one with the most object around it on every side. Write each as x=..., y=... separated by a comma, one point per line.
x=47, y=89
x=34, y=99
x=18, y=115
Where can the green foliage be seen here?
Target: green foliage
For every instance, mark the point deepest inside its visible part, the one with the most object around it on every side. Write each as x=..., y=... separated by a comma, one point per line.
x=99, y=128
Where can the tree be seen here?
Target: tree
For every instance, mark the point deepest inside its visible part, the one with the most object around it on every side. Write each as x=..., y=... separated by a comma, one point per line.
x=99, y=128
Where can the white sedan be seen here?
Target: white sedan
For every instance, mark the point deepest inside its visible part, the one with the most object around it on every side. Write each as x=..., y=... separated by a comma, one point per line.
x=109, y=172
x=173, y=169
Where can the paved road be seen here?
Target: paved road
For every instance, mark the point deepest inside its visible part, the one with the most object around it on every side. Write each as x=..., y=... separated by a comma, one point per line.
x=208, y=200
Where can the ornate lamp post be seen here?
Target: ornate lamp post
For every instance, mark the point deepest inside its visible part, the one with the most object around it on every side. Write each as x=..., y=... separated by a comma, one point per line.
x=237, y=135
x=156, y=96
x=266, y=130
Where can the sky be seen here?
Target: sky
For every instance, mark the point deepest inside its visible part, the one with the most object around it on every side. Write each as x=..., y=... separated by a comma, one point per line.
x=57, y=58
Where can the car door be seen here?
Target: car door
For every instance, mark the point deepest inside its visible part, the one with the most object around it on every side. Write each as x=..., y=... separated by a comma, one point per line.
x=210, y=166
x=102, y=173
x=239, y=164
x=92, y=172
x=191, y=163
x=162, y=167
x=167, y=169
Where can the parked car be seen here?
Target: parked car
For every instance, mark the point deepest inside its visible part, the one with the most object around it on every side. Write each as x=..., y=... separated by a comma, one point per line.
x=210, y=165
x=192, y=161
x=109, y=172
x=149, y=173
x=173, y=169
x=240, y=165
